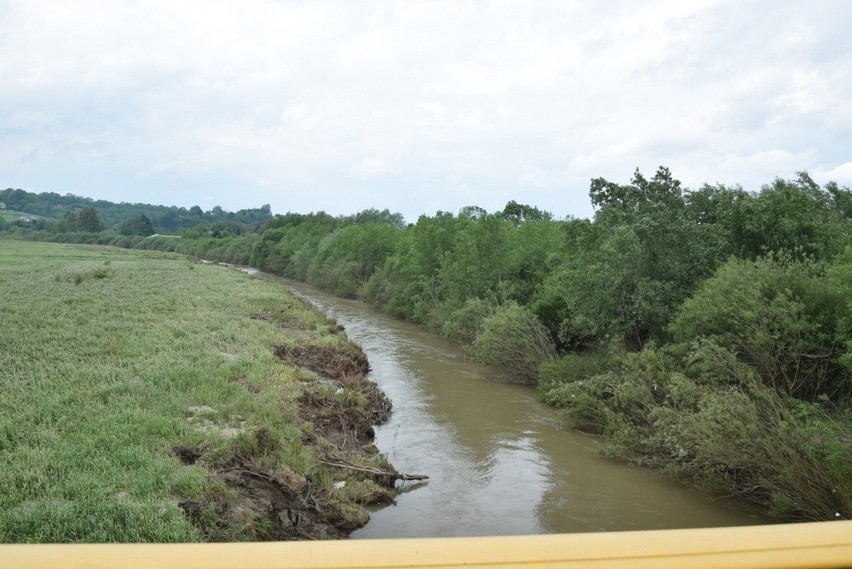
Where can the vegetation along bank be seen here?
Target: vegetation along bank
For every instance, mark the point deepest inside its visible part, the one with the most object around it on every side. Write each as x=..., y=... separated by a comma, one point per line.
x=149, y=397
x=706, y=332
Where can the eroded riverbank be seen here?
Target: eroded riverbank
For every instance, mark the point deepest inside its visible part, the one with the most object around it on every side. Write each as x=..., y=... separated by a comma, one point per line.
x=337, y=409
x=150, y=398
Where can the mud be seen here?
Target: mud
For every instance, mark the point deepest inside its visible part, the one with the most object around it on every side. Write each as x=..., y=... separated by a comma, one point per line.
x=328, y=361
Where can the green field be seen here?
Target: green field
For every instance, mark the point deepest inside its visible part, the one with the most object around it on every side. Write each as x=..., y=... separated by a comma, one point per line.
x=142, y=399
x=9, y=215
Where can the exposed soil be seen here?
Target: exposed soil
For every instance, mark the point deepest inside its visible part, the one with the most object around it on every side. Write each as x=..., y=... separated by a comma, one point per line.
x=260, y=503
x=257, y=498
x=327, y=361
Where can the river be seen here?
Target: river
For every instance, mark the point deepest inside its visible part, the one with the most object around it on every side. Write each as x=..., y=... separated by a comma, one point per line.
x=499, y=461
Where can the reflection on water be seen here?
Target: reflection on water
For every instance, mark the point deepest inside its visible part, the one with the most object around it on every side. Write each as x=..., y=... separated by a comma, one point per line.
x=499, y=461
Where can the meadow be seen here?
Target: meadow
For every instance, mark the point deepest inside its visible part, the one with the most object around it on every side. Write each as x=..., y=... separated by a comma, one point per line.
x=143, y=397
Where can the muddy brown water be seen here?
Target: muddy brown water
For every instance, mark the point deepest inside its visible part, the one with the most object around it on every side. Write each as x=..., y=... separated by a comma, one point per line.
x=500, y=462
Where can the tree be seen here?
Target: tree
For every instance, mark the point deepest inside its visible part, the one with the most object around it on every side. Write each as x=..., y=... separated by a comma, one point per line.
x=68, y=223
x=88, y=221
x=519, y=213
x=373, y=215
x=137, y=225
x=644, y=257
x=783, y=318
x=787, y=215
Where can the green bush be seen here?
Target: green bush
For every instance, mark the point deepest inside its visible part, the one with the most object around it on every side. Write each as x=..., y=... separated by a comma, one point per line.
x=512, y=338
x=704, y=415
x=464, y=324
x=783, y=318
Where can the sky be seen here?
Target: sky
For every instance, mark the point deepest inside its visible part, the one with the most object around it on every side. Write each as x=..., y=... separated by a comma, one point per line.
x=417, y=106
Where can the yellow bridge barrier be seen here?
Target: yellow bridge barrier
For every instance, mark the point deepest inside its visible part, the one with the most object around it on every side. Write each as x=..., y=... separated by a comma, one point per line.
x=823, y=544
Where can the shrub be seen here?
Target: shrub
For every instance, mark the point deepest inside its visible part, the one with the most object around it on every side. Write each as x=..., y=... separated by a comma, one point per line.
x=512, y=338
x=464, y=324
x=780, y=317
x=711, y=421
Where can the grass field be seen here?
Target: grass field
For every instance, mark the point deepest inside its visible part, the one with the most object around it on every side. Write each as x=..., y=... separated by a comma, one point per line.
x=9, y=215
x=138, y=392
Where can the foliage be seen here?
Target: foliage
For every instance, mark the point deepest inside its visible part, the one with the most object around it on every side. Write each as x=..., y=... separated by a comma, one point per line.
x=464, y=324
x=137, y=225
x=782, y=317
x=347, y=257
x=87, y=221
x=794, y=216
x=520, y=213
x=513, y=339
x=289, y=242
x=644, y=258
x=166, y=219
x=711, y=422
x=372, y=215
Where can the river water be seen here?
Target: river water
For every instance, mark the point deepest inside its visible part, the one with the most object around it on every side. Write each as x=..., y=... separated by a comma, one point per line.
x=499, y=461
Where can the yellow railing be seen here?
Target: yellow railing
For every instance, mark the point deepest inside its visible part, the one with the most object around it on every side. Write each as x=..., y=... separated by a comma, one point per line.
x=825, y=544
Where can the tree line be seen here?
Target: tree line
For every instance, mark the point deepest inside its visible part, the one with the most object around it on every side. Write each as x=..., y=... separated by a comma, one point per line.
x=117, y=216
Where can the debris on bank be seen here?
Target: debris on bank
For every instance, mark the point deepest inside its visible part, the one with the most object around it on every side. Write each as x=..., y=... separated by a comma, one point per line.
x=258, y=498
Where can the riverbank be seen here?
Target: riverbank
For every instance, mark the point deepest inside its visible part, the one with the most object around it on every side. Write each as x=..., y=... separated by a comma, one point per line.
x=149, y=398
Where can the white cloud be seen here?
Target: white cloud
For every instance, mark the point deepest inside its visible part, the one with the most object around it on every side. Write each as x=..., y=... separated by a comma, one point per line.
x=416, y=105
x=842, y=174
x=369, y=168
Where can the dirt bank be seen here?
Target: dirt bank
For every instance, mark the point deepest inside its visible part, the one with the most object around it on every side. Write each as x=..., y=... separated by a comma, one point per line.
x=258, y=497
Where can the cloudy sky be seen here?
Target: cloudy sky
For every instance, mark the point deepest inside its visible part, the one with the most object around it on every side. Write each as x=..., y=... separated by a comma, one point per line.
x=417, y=106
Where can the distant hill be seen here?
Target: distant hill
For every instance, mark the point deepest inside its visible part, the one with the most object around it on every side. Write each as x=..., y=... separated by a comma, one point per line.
x=164, y=219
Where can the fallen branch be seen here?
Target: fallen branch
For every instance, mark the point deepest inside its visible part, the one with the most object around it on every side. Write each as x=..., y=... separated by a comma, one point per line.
x=392, y=474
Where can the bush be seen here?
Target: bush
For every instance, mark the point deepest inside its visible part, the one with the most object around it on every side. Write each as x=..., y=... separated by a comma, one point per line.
x=710, y=421
x=512, y=338
x=464, y=324
x=782, y=318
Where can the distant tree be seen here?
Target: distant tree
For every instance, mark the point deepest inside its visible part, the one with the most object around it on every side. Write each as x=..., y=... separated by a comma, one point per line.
x=472, y=212
x=518, y=213
x=68, y=223
x=221, y=229
x=196, y=211
x=88, y=221
x=375, y=216
x=137, y=225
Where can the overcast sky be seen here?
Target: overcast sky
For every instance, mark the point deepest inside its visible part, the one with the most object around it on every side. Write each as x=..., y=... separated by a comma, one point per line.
x=417, y=106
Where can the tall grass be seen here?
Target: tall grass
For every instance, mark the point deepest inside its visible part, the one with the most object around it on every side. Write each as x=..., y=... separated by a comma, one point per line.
x=105, y=352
